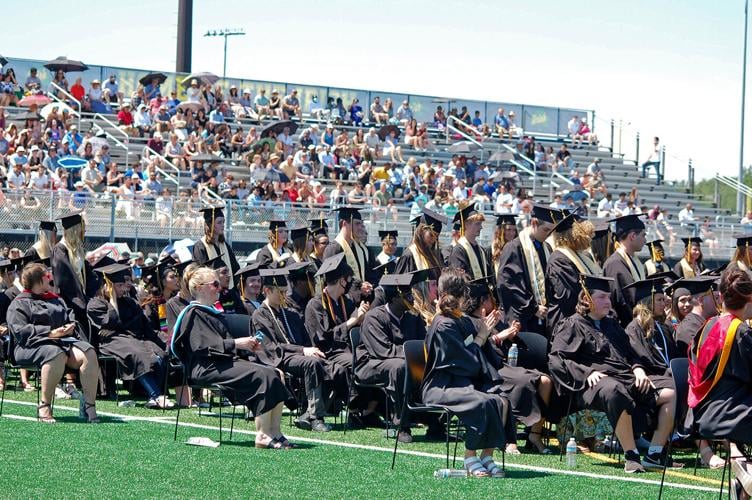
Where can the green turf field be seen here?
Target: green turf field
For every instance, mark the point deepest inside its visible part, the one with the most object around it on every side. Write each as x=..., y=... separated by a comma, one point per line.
x=138, y=458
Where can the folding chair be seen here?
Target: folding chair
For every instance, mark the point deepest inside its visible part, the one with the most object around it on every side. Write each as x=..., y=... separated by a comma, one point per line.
x=11, y=364
x=354, y=343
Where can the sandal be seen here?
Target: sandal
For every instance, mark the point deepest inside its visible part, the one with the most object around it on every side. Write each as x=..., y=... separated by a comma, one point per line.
x=274, y=444
x=28, y=388
x=47, y=419
x=83, y=412
x=286, y=444
x=492, y=467
x=512, y=451
x=474, y=468
x=711, y=463
x=539, y=446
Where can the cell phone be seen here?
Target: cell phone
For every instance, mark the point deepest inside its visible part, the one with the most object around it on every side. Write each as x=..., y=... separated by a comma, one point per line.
x=259, y=336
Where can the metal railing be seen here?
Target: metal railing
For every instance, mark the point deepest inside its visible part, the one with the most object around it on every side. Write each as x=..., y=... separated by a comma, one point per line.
x=734, y=184
x=451, y=128
x=113, y=126
x=531, y=170
x=69, y=96
x=174, y=179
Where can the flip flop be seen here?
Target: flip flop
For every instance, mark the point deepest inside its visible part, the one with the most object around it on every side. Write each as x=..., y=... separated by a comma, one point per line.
x=274, y=444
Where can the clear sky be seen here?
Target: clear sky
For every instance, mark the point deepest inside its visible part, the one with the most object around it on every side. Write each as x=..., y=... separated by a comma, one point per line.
x=668, y=68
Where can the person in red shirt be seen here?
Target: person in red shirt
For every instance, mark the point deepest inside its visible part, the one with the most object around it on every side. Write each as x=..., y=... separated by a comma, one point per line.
x=125, y=119
x=77, y=90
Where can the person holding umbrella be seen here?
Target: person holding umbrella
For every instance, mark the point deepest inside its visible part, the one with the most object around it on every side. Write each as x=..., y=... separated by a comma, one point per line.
x=152, y=90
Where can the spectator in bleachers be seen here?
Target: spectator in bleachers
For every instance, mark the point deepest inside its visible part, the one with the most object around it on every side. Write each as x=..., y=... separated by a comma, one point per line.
x=78, y=91
x=317, y=110
x=33, y=83
x=126, y=120
x=262, y=104
x=439, y=118
x=8, y=88
x=378, y=113
x=112, y=90
x=404, y=114
x=152, y=89
x=291, y=106
x=653, y=160
x=275, y=104
x=142, y=120
x=687, y=216
x=96, y=102
x=747, y=219
x=356, y=112
x=573, y=129
x=501, y=124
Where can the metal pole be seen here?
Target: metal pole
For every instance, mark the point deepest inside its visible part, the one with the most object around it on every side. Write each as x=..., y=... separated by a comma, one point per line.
x=224, y=67
x=637, y=149
x=690, y=176
x=739, y=195
x=662, y=167
x=612, y=135
x=716, y=195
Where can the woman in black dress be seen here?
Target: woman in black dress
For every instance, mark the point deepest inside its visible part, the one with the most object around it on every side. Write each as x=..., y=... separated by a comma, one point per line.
x=203, y=342
x=126, y=333
x=46, y=334
x=459, y=377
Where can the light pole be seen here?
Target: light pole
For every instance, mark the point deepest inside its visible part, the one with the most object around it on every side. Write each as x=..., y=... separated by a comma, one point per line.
x=225, y=32
x=739, y=196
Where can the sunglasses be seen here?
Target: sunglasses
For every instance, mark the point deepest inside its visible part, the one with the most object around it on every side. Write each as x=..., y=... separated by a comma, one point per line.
x=214, y=283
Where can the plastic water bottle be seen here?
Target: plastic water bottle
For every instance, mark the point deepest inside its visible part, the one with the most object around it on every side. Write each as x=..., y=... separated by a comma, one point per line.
x=447, y=473
x=572, y=453
x=512, y=355
x=128, y=403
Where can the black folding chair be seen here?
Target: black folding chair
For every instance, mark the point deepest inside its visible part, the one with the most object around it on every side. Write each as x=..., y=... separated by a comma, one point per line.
x=415, y=367
x=11, y=364
x=354, y=382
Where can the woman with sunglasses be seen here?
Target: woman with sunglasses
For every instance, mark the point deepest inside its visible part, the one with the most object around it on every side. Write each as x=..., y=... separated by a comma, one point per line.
x=211, y=355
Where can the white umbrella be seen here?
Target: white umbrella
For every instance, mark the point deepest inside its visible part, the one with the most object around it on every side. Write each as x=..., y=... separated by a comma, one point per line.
x=45, y=111
x=191, y=106
x=115, y=250
x=184, y=249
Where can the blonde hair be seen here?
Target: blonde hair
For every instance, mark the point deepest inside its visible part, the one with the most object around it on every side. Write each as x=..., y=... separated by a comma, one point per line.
x=742, y=254
x=200, y=276
x=184, y=280
x=43, y=245
x=644, y=315
x=73, y=241
x=577, y=237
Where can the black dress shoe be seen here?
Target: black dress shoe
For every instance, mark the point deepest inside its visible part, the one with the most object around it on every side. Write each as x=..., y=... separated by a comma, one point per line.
x=372, y=420
x=303, y=422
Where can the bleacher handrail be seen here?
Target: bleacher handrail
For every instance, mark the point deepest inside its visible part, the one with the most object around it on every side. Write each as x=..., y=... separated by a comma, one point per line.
x=174, y=179
x=69, y=96
x=461, y=132
x=734, y=184
x=113, y=125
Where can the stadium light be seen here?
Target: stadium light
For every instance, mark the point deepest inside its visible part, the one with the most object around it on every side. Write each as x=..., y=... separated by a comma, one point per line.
x=225, y=32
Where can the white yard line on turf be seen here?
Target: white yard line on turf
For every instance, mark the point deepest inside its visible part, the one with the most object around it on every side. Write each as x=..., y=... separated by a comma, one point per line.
x=171, y=421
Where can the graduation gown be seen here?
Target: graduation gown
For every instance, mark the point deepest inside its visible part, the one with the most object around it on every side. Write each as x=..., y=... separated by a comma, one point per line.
x=4, y=304
x=174, y=306
x=127, y=335
x=380, y=359
x=514, y=289
x=458, y=258
x=281, y=350
x=579, y=347
x=562, y=289
x=459, y=377
x=623, y=301
x=200, y=255
x=686, y=331
x=679, y=269
x=446, y=252
x=71, y=291
x=249, y=306
x=655, y=353
x=208, y=350
x=652, y=267
x=30, y=319
x=231, y=301
x=328, y=330
x=264, y=257
x=726, y=411
x=334, y=248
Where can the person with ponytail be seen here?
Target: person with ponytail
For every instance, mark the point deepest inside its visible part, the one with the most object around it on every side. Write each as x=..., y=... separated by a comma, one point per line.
x=125, y=333
x=302, y=244
x=73, y=275
x=213, y=244
x=691, y=265
x=720, y=372
x=591, y=357
x=459, y=377
x=742, y=258
x=275, y=252
x=705, y=302
x=161, y=283
x=46, y=241
x=602, y=244
x=506, y=231
x=423, y=252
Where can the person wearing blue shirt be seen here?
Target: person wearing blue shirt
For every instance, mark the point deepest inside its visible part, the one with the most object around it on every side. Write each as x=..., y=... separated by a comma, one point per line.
x=152, y=90
x=501, y=123
x=72, y=140
x=477, y=122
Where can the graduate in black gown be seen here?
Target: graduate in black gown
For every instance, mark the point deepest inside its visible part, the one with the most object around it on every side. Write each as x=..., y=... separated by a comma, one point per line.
x=161, y=282
x=623, y=265
x=505, y=232
x=280, y=348
x=468, y=254
x=388, y=252
x=229, y=296
x=380, y=356
x=74, y=276
x=657, y=261
x=180, y=300
x=46, y=334
x=275, y=252
x=213, y=244
x=691, y=264
x=742, y=258
x=458, y=376
x=705, y=305
x=300, y=276
x=351, y=241
x=320, y=237
x=528, y=391
x=46, y=241
x=602, y=244
x=572, y=237
x=521, y=280
x=446, y=252
x=127, y=334
x=379, y=299
x=720, y=370
x=4, y=303
x=423, y=252
x=211, y=355
x=14, y=270
x=249, y=287
x=591, y=356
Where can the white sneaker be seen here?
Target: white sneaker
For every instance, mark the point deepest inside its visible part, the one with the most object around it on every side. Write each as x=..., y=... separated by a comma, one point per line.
x=61, y=394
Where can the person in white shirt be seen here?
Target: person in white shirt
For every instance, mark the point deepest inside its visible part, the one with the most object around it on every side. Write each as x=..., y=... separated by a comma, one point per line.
x=747, y=219
x=504, y=200
x=16, y=178
x=39, y=179
x=605, y=207
x=653, y=160
x=687, y=215
x=373, y=142
x=557, y=203
x=573, y=127
x=620, y=207
x=460, y=192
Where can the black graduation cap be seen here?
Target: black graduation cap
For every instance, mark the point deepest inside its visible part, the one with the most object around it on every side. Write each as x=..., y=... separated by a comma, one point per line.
x=384, y=269
x=691, y=239
x=403, y=280
x=667, y=275
x=509, y=219
x=71, y=219
x=249, y=270
x=695, y=286
x=48, y=225
x=297, y=232
x=602, y=227
x=389, y=233
x=743, y=240
x=480, y=287
x=431, y=218
x=212, y=213
x=319, y=226
x=566, y=223
x=17, y=264
x=298, y=270
x=115, y=273
x=274, y=277
x=544, y=213
x=464, y=214
x=348, y=212
x=275, y=224
x=456, y=226
x=592, y=283
x=430, y=274
x=216, y=263
x=716, y=271
x=334, y=267
x=31, y=259
x=5, y=265
x=180, y=267
x=646, y=288
x=655, y=244
x=628, y=223
x=103, y=260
